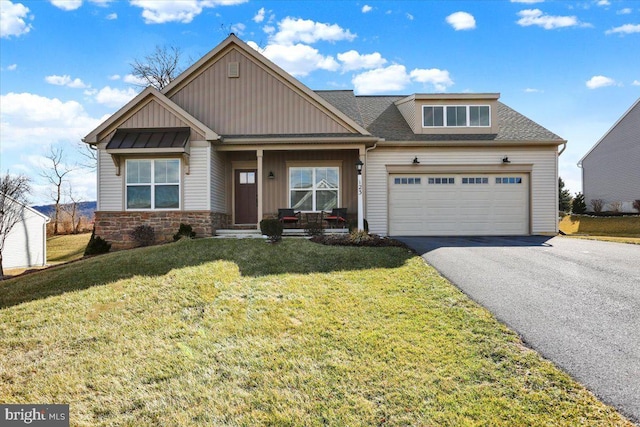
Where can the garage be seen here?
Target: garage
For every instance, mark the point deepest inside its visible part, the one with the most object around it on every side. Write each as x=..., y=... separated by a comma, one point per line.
x=447, y=204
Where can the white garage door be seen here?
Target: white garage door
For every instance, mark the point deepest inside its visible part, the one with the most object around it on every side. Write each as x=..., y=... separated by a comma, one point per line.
x=458, y=204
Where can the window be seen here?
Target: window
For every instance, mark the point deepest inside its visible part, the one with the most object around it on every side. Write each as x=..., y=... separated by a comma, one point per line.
x=509, y=180
x=456, y=116
x=442, y=180
x=153, y=184
x=314, y=188
x=408, y=181
x=475, y=180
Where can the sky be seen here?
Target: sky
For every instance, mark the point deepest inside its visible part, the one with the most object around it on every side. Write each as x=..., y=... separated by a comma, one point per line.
x=65, y=65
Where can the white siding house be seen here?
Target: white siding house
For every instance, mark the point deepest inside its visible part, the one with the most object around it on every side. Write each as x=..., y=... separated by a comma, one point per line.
x=26, y=244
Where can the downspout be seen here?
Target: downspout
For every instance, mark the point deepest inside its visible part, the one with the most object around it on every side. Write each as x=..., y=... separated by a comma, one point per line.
x=564, y=147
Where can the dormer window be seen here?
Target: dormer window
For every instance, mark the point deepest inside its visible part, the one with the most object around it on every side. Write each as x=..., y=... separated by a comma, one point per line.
x=456, y=116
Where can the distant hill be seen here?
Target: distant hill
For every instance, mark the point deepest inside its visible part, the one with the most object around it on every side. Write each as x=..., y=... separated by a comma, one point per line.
x=86, y=209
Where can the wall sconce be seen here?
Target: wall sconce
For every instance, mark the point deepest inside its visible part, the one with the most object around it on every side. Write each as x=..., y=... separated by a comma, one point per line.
x=416, y=161
x=505, y=159
x=271, y=175
x=359, y=165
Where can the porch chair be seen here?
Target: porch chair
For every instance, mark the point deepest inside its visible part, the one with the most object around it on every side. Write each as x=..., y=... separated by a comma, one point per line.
x=288, y=216
x=337, y=216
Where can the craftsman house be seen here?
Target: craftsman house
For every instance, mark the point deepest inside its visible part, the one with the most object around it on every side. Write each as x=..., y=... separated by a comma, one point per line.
x=235, y=138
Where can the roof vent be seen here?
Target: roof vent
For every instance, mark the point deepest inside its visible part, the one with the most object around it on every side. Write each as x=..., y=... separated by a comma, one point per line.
x=234, y=70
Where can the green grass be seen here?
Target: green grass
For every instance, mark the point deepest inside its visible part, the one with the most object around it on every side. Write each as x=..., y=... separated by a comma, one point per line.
x=243, y=333
x=65, y=248
x=628, y=226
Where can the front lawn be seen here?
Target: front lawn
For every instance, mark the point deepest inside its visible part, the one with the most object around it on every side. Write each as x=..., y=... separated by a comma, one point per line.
x=241, y=332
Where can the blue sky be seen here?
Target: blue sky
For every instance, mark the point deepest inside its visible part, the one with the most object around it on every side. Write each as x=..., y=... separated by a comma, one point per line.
x=572, y=66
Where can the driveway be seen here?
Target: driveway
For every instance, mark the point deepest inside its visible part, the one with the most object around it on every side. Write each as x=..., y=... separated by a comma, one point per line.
x=577, y=302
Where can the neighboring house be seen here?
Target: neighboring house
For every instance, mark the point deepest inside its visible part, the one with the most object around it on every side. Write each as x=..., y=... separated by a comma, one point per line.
x=611, y=169
x=26, y=244
x=234, y=138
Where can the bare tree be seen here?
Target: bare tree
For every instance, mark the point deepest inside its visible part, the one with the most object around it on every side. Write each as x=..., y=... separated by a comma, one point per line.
x=73, y=210
x=55, y=176
x=89, y=153
x=159, y=68
x=13, y=192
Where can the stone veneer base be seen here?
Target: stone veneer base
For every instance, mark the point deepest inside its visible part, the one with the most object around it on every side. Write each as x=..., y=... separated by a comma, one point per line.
x=115, y=227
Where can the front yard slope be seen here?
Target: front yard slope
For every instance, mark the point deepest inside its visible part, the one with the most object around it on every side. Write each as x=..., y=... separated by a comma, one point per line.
x=244, y=333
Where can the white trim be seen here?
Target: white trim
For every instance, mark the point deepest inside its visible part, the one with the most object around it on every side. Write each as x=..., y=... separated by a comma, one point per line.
x=152, y=185
x=444, y=115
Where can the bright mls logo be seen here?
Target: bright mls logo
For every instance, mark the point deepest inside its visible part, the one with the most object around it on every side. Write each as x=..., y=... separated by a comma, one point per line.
x=35, y=415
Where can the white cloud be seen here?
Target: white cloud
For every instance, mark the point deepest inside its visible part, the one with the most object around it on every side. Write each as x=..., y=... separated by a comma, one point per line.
x=530, y=17
x=636, y=83
x=183, y=11
x=133, y=80
x=67, y=4
x=461, y=21
x=532, y=90
x=352, y=60
x=28, y=120
x=114, y=77
x=625, y=11
x=269, y=29
x=409, y=17
x=624, y=29
x=604, y=3
x=440, y=79
x=299, y=59
x=596, y=82
x=259, y=17
x=366, y=8
x=292, y=30
x=238, y=29
x=527, y=1
x=12, y=67
x=12, y=19
x=66, y=81
x=390, y=79
x=112, y=16
x=115, y=98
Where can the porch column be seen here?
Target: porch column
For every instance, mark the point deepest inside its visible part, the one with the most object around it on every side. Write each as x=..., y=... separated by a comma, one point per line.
x=359, y=165
x=259, y=154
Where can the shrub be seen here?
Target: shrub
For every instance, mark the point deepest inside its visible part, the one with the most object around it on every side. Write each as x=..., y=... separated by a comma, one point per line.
x=185, y=230
x=578, y=206
x=314, y=229
x=358, y=237
x=143, y=235
x=272, y=228
x=97, y=245
x=636, y=205
x=616, y=207
x=597, y=205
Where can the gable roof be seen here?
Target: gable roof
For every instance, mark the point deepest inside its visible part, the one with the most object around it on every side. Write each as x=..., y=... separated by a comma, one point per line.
x=635, y=104
x=148, y=95
x=381, y=117
x=233, y=42
x=29, y=208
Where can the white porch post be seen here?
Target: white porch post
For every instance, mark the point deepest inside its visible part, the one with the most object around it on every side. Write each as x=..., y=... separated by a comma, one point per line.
x=359, y=165
x=259, y=154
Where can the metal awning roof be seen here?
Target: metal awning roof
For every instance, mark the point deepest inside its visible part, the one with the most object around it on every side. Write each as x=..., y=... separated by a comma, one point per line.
x=150, y=138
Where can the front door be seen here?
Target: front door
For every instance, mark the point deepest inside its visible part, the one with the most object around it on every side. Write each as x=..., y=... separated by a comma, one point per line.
x=246, y=196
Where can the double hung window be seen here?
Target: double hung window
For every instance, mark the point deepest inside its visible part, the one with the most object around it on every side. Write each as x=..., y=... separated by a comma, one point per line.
x=153, y=184
x=314, y=188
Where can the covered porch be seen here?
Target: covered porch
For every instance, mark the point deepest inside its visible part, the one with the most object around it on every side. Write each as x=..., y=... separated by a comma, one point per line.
x=310, y=179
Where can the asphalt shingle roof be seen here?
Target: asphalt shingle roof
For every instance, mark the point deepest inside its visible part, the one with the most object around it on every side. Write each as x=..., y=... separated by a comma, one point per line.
x=380, y=116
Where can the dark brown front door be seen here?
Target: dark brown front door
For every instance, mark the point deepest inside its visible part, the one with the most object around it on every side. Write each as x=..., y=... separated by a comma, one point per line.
x=246, y=195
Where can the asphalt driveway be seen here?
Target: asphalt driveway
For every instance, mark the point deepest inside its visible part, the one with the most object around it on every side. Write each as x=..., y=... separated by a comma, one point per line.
x=577, y=302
